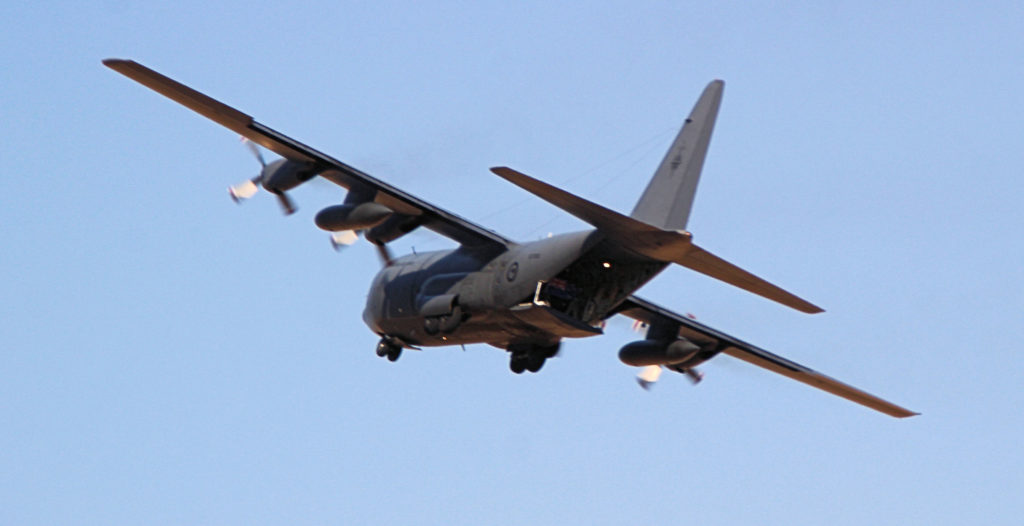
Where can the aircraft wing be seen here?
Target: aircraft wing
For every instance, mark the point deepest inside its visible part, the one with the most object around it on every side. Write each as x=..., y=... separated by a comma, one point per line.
x=645, y=311
x=441, y=221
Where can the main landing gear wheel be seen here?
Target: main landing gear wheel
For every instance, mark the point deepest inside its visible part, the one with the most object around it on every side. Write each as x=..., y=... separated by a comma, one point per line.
x=517, y=363
x=386, y=348
x=530, y=357
x=534, y=361
x=522, y=361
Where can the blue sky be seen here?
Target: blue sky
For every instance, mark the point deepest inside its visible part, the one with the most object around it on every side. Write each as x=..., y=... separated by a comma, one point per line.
x=167, y=357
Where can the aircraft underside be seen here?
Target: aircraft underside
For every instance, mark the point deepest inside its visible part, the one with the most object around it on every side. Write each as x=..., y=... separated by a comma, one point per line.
x=571, y=302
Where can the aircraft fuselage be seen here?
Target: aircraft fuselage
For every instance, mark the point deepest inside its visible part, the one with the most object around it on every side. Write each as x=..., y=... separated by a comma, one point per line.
x=532, y=293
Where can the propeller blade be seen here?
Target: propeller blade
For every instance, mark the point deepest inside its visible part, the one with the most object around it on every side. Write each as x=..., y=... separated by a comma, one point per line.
x=385, y=254
x=243, y=190
x=255, y=151
x=694, y=375
x=648, y=375
x=340, y=240
x=286, y=204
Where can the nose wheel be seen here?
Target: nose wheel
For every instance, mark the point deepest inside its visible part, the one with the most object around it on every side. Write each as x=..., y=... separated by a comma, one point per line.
x=388, y=349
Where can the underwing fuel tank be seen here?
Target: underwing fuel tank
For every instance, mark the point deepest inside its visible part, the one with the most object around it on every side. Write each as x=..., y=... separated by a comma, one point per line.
x=655, y=352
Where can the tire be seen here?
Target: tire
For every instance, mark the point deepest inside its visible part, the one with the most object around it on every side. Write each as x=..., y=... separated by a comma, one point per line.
x=534, y=362
x=517, y=364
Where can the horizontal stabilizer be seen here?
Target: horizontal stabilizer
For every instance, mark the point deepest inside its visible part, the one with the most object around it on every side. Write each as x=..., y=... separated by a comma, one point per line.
x=709, y=264
x=655, y=243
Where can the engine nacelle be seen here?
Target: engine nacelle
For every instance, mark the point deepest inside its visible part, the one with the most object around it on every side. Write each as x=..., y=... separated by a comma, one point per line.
x=392, y=228
x=283, y=175
x=352, y=216
x=659, y=352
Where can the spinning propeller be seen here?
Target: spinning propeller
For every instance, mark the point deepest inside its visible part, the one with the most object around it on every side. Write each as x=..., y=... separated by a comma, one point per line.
x=650, y=374
x=275, y=177
x=358, y=214
x=346, y=238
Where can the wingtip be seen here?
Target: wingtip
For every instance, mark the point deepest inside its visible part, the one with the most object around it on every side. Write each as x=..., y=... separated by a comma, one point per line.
x=120, y=65
x=800, y=304
x=506, y=173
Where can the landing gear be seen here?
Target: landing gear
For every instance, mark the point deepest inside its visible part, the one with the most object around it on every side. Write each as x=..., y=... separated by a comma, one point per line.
x=530, y=357
x=390, y=350
x=535, y=359
x=517, y=363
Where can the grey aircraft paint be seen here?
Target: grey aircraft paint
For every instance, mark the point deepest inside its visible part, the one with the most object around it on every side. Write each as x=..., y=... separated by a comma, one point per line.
x=667, y=200
x=524, y=297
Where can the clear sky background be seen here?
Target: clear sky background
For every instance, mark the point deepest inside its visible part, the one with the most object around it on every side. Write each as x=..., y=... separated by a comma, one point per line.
x=167, y=357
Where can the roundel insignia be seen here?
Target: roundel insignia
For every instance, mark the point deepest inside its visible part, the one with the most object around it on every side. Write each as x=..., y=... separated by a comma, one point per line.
x=513, y=271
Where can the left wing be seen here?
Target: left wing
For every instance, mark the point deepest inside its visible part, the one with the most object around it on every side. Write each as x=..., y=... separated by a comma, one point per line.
x=645, y=311
x=439, y=220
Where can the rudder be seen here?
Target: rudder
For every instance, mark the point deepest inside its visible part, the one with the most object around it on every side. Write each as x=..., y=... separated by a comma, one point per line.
x=669, y=196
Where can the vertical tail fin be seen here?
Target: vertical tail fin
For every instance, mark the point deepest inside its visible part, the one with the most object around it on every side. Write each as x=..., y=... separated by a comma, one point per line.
x=667, y=200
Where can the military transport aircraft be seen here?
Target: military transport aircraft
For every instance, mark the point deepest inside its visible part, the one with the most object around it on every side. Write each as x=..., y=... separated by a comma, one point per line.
x=523, y=297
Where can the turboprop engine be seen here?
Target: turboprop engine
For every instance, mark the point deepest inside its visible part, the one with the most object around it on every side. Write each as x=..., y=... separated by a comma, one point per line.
x=679, y=355
x=677, y=352
x=276, y=177
x=283, y=175
x=352, y=216
x=378, y=223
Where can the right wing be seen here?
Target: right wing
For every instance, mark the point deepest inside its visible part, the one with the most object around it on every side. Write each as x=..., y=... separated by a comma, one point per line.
x=441, y=221
x=645, y=311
